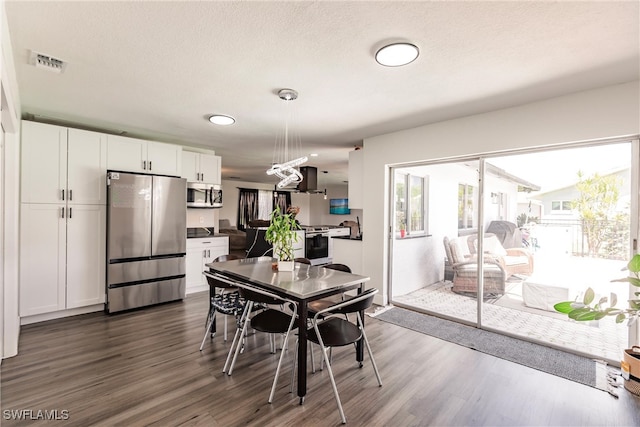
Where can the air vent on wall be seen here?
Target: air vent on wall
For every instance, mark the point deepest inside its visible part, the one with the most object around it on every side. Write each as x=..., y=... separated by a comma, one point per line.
x=47, y=62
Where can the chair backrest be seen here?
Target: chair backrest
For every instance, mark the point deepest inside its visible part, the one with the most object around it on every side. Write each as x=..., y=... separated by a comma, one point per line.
x=340, y=267
x=217, y=283
x=303, y=260
x=260, y=296
x=447, y=249
x=351, y=305
x=457, y=249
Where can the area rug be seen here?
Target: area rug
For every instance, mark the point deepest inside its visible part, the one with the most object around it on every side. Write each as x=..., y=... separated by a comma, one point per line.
x=570, y=366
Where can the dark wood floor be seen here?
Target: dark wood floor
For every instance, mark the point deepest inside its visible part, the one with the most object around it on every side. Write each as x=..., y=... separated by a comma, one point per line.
x=144, y=368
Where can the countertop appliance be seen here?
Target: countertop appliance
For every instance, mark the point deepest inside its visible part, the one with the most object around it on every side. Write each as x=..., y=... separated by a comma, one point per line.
x=146, y=240
x=201, y=195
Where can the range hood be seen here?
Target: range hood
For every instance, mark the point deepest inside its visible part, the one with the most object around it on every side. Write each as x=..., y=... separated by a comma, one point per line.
x=309, y=179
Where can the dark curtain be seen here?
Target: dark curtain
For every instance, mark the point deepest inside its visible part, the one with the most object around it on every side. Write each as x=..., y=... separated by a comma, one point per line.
x=282, y=199
x=247, y=207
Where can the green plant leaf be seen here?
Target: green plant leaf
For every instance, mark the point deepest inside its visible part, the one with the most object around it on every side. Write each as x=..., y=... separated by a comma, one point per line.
x=634, y=264
x=633, y=280
x=614, y=299
x=564, y=307
x=600, y=315
x=589, y=295
x=578, y=312
x=620, y=318
x=586, y=316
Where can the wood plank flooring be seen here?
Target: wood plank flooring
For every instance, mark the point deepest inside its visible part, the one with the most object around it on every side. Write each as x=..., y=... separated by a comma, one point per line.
x=144, y=368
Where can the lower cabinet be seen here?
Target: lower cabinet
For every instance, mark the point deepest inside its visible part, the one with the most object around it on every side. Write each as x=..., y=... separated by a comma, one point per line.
x=202, y=251
x=62, y=257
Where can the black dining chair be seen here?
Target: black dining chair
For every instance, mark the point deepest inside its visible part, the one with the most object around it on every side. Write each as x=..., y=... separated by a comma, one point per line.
x=330, y=331
x=223, y=298
x=266, y=319
x=321, y=304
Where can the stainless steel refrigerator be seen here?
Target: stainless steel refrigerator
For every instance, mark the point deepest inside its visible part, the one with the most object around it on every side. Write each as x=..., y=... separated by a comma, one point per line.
x=146, y=240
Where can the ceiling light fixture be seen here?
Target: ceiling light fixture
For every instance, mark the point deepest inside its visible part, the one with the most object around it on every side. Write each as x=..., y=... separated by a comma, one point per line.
x=288, y=146
x=397, y=54
x=222, y=120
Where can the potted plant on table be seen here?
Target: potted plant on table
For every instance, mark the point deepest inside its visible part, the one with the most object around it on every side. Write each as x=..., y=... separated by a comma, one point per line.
x=281, y=233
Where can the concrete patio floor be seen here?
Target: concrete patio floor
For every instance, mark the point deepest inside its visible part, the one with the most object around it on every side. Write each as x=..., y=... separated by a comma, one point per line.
x=602, y=339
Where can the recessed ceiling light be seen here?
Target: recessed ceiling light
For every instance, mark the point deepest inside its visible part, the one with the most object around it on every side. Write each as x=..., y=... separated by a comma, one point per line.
x=313, y=155
x=220, y=119
x=397, y=54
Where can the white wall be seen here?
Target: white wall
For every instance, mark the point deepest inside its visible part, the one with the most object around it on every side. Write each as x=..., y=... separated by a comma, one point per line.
x=599, y=113
x=9, y=319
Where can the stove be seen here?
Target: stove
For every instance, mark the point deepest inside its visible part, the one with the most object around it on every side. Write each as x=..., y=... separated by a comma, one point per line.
x=319, y=242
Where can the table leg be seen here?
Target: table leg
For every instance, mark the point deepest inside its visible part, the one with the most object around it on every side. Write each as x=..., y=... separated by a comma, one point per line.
x=302, y=350
x=359, y=346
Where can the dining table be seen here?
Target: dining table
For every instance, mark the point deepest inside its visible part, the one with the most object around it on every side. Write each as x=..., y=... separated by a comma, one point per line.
x=304, y=284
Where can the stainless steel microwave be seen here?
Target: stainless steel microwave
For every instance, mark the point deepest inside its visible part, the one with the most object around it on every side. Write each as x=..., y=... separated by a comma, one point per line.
x=201, y=195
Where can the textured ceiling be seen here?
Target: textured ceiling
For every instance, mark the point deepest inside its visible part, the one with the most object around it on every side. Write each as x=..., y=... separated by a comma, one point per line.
x=158, y=69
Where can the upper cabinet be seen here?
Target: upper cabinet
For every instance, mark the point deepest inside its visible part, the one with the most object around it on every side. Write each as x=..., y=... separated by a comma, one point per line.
x=200, y=167
x=137, y=155
x=356, y=166
x=62, y=165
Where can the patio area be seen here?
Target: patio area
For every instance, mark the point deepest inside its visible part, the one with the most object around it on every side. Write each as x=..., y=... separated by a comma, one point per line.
x=602, y=339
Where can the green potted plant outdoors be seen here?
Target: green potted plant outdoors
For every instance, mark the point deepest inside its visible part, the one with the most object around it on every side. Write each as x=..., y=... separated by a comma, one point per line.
x=587, y=310
x=281, y=233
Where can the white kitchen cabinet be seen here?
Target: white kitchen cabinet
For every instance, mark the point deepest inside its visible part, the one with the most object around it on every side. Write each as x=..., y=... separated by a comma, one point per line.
x=138, y=155
x=200, y=167
x=62, y=165
x=356, y=187
x=62, y=257
x=202, y=251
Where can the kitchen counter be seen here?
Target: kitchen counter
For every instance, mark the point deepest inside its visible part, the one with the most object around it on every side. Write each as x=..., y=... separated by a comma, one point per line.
x=348, y=238
x=199, y=232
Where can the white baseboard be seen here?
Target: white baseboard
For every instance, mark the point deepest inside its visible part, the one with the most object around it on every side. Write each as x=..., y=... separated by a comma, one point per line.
x=60, y=314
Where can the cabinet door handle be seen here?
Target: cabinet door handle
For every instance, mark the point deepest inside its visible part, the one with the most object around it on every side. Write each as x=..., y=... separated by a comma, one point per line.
x=144, y=164
x=62, y=210
x=70, y=195
x=150, y=167
x=70, y=212
x=208, y=253
x=62, y=194
x=202, y=177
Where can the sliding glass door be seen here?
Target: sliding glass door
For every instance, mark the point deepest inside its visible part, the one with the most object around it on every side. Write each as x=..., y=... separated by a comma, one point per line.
x=524, y=231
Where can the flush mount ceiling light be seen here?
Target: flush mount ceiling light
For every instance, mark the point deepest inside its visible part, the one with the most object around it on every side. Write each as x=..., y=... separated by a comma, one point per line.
x=222, y=120
x=288, y=146
x=397, y=54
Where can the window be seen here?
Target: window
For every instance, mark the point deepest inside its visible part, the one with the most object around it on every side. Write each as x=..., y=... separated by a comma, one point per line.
x=561, y=206
x=409, y=204
x=467, y=202
x=258, y=204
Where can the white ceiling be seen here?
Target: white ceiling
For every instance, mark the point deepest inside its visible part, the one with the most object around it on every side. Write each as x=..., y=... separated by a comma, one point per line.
x=158, y=69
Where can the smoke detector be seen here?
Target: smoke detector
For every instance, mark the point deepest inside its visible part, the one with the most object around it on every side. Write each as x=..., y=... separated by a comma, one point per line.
x=47, y=62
